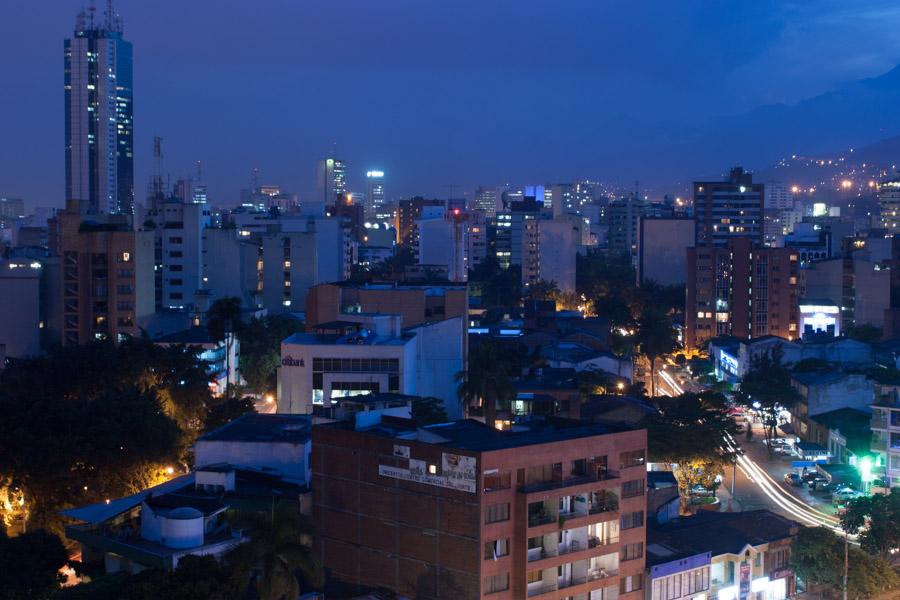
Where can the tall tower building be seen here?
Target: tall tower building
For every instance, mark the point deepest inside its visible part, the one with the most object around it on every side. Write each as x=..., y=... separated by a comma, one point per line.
x=99, y=115
x=374, y=192
x=332, y=180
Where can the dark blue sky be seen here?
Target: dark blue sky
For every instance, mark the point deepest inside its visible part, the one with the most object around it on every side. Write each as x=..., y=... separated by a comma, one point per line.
x=434, y=93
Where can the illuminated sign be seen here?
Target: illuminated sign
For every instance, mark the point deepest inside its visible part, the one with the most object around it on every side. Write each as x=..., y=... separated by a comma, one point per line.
x=289, y=361
x=375, y=174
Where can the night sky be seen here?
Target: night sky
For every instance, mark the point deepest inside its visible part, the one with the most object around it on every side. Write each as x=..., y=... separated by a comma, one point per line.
x=434, y=93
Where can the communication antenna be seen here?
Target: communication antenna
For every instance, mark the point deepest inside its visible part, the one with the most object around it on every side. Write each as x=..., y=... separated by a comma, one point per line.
x=91, y=10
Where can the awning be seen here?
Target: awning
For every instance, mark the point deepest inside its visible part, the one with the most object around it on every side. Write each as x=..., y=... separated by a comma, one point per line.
x=787, y=428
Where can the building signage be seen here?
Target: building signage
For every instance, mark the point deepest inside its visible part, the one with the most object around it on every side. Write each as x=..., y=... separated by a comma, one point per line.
x=418, y=476
x=745, y=580
x=459, y=470
x=289, y=361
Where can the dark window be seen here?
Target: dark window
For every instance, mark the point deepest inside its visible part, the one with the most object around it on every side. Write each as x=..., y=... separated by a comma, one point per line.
x=496, y=549
x=176, y=253
x=176, y=268
x=496, y=481
x=496, y=513
x=632, y=520
x=632, y=551
x=633, y=488
x=175, y=240
x=496, y=583
x=635, y=458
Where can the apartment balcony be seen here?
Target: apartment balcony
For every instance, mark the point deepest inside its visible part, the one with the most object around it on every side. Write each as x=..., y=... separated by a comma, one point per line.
x=571, y=481
x=539, y=587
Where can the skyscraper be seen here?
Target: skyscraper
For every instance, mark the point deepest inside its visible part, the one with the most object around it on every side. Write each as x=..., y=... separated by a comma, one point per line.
x=99, y=122
x=332, y=180
x=374, y=192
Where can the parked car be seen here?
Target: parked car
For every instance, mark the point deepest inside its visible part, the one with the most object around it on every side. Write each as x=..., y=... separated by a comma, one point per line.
x=793, y=479
x=775, y=442
x=817, y=482
x=783, y=449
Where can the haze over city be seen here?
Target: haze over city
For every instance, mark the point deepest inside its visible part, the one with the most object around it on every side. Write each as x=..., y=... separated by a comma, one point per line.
x=465, y=94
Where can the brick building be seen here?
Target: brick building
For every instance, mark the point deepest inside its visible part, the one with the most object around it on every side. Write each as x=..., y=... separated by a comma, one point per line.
x=550, y=509
x=742, y=289
x=108, y=286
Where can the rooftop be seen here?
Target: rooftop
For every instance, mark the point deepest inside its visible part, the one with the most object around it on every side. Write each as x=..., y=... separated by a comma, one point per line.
x=361, y=338
x=192, y=336
x=255, y=427
x=717, y=533
x=468, y=434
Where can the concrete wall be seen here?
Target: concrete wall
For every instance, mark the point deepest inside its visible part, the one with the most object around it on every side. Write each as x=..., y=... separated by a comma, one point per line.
x=662, y=248
x=20, y=302
x=291, y=460
x=558, y=240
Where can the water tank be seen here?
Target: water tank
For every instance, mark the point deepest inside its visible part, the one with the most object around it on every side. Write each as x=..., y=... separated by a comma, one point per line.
x=181, y=528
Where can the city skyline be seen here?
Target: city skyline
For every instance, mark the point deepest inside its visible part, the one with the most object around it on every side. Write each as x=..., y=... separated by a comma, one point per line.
x=483, y=100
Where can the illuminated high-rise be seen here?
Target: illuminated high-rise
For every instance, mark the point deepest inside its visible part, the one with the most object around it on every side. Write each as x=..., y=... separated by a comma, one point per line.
x=99, y=115
x=374, y=192
x=332, y=180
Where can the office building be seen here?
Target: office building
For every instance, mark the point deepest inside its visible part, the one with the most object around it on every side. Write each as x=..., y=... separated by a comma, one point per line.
x=232, y=266
x=415, y=303
x=98, y=115
x=220, y=357
x=778, y=196
x=488, y=200
x=662, y=250
x=180, y=224
x=562, y=198
x=559, y=240
x=860, y=287
x=368, y=354
x=476, y=238
x=374, y=193
x=304, y=253
x=729, y=209
x=11, y=210
x=743, y=290
x=624, y=218
x=332, y=180
x=107, y=275
x=553, y=508
x=889, y=204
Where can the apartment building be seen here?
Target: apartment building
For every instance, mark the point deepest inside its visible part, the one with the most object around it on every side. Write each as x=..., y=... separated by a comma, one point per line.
x=549, y=509
x=741, y=289
x=108, y=283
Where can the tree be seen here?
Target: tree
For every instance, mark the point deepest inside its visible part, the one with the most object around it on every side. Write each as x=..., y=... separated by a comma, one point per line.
x=227, y=410
x=864, y=332
x=542, y=290
x=656, y=338
x=687, y=432
x=224, y=316
x=768, y=383
x=817, y=557
x=428, y=411
x=877, y=520
x=29, y=565
x=500, y=287
x=487, y=381
x=261, y=350
x=86, y=423
x=278, y=547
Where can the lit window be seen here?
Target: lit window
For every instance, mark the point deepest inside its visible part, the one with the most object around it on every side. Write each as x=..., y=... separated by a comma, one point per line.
x=126, y=257
x=700, y=314
x=432, y=469
x=792, y=327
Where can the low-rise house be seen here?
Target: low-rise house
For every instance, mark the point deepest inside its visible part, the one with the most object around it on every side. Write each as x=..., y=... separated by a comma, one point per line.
x=825, y=392
x=749, y=556
x=845, y=432
x=252, y=465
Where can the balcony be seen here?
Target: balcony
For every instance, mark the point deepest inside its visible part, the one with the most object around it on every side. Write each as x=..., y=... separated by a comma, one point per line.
x=542, y=513
x=539, y=587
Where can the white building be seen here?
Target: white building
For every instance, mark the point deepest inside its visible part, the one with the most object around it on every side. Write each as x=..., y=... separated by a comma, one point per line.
x=370, y=353
x=441, y=241
x=180, y=226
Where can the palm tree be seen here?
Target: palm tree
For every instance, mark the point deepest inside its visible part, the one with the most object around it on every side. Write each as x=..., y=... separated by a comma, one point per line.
x=656, y=338
x=486, y=381
x=278, y=548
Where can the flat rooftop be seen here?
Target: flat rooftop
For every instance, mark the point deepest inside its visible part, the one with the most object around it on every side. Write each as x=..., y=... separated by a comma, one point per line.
x=352, y=339
x=255, y=427
x=469, y=434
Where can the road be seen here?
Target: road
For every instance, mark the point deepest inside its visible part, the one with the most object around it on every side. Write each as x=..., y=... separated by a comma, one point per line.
x=758, y=478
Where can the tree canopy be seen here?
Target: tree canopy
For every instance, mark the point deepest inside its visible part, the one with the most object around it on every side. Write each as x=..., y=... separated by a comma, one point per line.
x=877, y=520
x=687, y=432
x=261, y=350
x=488, y=380
x=768, y=383
x=817, y=557
x=655, y=337
x=29, y=565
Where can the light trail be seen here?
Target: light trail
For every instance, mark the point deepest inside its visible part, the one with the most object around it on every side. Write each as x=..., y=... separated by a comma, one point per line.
x=792, y=505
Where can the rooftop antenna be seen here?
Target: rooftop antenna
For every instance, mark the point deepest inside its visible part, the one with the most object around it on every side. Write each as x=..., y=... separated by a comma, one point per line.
x=91, y=10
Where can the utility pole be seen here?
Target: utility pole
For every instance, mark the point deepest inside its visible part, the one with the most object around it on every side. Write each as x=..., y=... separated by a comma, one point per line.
x=846, y=561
